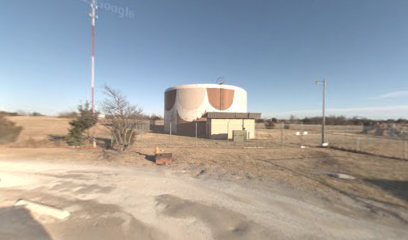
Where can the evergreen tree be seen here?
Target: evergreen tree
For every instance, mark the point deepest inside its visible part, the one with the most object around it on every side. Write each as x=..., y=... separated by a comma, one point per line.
x=85, y=120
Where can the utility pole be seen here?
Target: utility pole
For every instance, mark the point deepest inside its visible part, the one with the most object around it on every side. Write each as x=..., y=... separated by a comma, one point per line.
x=93, y=26
x=93, y=31
x=323, y=82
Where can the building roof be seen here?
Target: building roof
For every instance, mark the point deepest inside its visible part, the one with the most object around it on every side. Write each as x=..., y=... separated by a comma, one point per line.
x=232, y=115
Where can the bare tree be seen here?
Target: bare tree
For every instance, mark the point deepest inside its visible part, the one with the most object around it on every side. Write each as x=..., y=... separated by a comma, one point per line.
x=122, y=118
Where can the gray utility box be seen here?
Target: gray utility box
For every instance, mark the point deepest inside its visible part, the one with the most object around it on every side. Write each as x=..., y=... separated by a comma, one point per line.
x=239, y=135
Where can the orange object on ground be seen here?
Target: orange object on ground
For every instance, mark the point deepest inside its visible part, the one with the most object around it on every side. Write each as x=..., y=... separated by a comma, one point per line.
x=163, y=158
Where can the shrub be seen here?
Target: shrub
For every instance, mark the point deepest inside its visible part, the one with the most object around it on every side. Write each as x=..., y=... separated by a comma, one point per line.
x=8, y=130
x=155, y=117
x=270, y=123
x=85, y=120
x=36, y=114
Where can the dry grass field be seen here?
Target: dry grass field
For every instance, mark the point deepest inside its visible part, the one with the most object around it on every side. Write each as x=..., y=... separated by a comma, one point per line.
x=49, y=131
x=276, y=154
x=379, y=191
x=45, y=131
x=40, y=128
x=341, y=137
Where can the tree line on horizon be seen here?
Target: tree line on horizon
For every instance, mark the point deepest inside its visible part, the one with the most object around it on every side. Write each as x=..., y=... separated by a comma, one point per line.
x=332, y=120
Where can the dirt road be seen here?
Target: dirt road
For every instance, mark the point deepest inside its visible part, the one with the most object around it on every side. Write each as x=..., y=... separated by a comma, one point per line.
x=157, y=203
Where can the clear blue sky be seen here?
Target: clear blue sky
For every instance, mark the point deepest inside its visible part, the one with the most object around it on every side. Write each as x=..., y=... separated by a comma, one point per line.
x=275, y=49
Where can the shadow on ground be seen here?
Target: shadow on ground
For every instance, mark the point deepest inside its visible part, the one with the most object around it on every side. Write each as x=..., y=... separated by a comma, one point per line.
x=396, y=188
x=60, y=140
x=18, y=223
x=148, y=157
x=224, y=223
